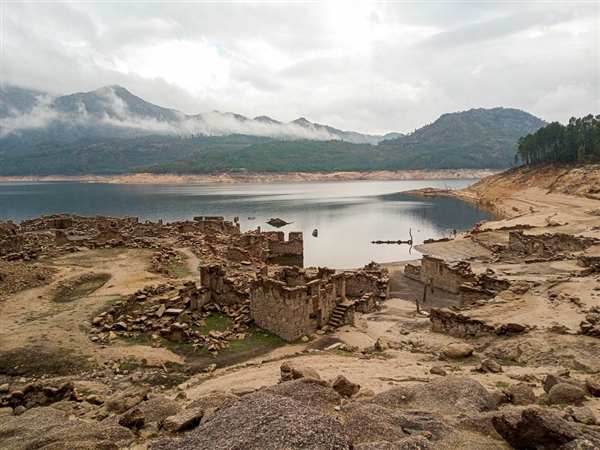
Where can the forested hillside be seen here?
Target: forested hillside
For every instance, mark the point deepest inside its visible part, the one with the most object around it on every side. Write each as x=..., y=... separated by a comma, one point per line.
x=578, y=141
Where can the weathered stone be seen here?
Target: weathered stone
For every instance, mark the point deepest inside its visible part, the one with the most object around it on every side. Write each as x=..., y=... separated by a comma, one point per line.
x=593, y=385
x=519, y=287
x=554, y=379
x=133, y=419
x=437, y=370
x=582, y=414
x=185, y=420
x=381, y=344
x=565, y=393
x=532, y=427
x=291, y=371
x=344, y=387
x=521, y=394
x=458, y=350
x=6, y=411
x=263, y=421
x=500, y=397
x=490, y=365
x=515, y=328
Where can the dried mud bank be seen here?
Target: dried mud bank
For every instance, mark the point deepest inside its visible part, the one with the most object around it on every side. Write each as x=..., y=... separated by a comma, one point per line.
x=147, y=178
x=491, y=342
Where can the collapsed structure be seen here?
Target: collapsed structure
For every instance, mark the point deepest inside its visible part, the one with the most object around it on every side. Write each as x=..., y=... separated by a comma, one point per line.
x=456, y=277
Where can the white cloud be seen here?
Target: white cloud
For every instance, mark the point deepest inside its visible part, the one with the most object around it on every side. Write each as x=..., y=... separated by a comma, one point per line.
x=371, y=67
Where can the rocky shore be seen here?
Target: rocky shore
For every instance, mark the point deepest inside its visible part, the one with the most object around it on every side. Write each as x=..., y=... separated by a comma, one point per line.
x=490, y=342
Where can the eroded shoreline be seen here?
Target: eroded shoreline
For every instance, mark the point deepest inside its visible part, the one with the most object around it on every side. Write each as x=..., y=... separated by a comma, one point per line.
x=149, y=178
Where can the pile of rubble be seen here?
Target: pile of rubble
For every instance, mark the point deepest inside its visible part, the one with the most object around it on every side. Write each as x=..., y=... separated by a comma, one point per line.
x=152, y=315
x=591, y=325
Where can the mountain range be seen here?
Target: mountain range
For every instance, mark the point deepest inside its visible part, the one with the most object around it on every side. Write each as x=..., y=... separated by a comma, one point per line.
x=110, y=130
x=112, y=111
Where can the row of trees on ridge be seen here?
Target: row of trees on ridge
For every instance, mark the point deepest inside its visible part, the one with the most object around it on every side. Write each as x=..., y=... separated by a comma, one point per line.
x=578, y=141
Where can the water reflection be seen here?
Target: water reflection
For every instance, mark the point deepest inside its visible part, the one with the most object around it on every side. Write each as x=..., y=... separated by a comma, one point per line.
x=349, y=215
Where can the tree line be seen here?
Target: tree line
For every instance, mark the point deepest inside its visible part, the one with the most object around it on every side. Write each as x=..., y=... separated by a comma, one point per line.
x=578, y=141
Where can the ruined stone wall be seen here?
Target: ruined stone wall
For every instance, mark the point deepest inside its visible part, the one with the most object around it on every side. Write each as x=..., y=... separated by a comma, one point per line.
x=11, y=241
x=446, y=275
x=294, y=246
x=216, y=224
x=358, y=284
x=548, y=244
x=446, y=321
x=366, y=304
x=223, y=290
x=371, y=278
x=413, y=271
x=109, y=235
x=281, y=310
x=291, y=276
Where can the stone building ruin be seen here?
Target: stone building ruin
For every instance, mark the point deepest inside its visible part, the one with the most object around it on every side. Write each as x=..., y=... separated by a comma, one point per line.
x=456, y=277
x=293, y=301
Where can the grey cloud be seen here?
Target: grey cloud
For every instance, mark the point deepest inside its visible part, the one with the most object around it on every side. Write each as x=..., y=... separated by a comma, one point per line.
x=491, y=29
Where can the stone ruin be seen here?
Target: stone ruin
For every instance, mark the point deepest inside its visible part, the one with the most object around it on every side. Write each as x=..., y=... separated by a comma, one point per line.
x=213, y=237
x=446, y=321
x=456, y=277
x=295, y=302
x=547, y=245
x=291, y=303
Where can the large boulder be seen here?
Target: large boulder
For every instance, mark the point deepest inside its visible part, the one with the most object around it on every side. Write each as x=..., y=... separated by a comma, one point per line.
x=263, y=421
x=533, y=427
x=291, y=371
x=521, y=394
x=185, y=420
x=345, y=387
x=374, y=423
x=593, y=385
x=447, y=395
x=47, y=428
x=316, y=394
x=565, y=393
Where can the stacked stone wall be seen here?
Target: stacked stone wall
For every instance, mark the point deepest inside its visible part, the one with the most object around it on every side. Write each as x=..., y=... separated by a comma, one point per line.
x=446, y=275
x=281, y=310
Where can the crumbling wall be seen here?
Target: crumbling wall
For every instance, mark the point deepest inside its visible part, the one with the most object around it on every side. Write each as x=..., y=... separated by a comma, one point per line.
x=548, y=244
x=11, y=240
x=216, y=224
x=371, y=278
x=294, y=246
x=412, y=271
x=446, y=321
x=223, y=290
x=281, y=310
x=446, y=275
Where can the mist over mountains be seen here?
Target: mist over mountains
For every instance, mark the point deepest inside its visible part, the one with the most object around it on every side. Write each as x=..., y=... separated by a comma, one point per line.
x=110, y=131
x=112, y=111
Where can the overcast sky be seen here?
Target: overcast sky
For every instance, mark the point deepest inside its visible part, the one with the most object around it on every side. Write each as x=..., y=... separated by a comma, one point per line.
x=367, y=67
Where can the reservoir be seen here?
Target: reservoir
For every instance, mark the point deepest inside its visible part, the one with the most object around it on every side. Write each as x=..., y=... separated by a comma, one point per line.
x=347, y=214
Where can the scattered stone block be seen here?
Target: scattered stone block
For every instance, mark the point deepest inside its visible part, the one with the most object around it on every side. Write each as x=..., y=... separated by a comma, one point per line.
x=458, y=350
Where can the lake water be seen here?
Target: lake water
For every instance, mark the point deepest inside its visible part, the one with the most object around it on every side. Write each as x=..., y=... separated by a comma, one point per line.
x=348, y=214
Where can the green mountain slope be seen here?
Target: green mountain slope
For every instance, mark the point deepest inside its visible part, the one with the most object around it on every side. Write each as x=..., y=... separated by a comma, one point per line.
x=470, y=139
x=475, y=139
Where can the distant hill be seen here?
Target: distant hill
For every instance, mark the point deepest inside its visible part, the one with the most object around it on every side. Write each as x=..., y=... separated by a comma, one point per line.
x=470, y=139
x=31, y=118
x=110, y=130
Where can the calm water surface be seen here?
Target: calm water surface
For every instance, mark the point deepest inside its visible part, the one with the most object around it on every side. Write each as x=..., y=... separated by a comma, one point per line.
x=348, y=214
